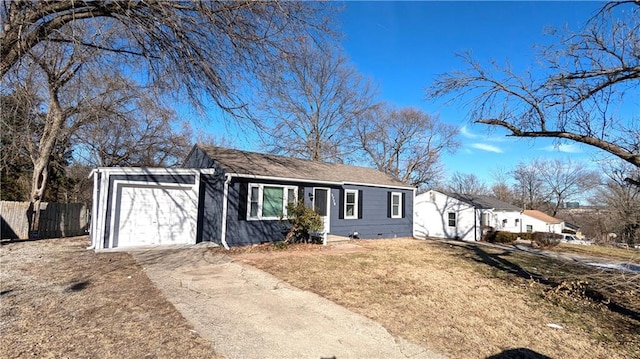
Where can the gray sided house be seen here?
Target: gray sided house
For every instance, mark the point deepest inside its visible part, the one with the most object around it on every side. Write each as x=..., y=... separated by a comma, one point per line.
x=242, y=200
x=236, y=198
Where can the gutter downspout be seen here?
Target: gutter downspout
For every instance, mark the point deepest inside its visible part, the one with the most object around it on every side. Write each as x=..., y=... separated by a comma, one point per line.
x=225, y=200
x=475, y=223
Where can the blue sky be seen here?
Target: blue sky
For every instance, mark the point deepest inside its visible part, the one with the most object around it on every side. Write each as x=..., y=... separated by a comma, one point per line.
x=403, y=46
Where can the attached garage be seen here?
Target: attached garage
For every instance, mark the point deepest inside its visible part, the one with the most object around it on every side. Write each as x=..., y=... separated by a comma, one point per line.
x=154, y=214
x=135, y=207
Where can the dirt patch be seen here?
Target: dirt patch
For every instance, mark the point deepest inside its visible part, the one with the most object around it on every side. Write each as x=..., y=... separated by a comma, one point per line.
x=61, y=300
x=460, y=301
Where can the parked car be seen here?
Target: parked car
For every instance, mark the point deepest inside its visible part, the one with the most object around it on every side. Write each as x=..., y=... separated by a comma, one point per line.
x=571, y=239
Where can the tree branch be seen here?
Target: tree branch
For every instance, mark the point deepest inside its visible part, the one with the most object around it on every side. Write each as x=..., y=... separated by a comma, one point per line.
x=612, y=148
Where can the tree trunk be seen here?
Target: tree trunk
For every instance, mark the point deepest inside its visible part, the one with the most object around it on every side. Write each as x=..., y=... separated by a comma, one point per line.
x=42, y=156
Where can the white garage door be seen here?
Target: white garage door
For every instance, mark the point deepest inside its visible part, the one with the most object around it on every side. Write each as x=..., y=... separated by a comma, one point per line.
x=152, y=214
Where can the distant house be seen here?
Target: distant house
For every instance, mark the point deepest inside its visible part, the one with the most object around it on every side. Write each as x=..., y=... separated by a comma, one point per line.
x=460, y=216
x=236, y=198
x=536, y=221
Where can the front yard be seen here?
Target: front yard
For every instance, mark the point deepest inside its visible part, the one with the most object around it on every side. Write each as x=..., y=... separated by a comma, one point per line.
x=59, y=300
x=473, y=301
x=466, y=301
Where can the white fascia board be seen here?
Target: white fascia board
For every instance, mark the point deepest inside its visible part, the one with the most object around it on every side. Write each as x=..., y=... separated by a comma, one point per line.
x=152, y=171
x=290, y=179
x=379, y=185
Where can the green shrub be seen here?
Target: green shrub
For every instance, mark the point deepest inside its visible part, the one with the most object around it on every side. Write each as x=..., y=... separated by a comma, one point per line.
x=506, y=237
x=545, y=239
x=501, y=237
x=527, y=236
x=302, y=223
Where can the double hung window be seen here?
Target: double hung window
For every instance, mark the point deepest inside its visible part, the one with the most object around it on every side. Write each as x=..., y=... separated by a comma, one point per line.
x=396, y=205
x=452, y=219
x=350, y=204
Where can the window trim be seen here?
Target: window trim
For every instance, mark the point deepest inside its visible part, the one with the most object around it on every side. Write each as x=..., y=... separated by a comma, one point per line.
x=285, y=200
x=399, y=195
x=355, y=203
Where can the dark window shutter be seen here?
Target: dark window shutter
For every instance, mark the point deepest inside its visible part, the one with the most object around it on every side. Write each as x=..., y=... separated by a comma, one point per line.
x=301, y=194
x=388, y=204
x=404, y=204
x=242, y=201
x=360, y=204
x=341, y=204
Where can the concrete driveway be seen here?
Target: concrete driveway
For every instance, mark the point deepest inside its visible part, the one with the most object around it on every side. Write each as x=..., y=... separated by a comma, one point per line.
x=247, y=313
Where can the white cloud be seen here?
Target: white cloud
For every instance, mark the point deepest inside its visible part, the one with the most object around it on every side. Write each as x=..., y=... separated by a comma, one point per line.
x=485, y=147
x=464, y=131
x=566, y=148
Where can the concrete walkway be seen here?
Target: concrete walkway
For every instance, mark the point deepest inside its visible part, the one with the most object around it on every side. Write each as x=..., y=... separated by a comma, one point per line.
x=247, y=313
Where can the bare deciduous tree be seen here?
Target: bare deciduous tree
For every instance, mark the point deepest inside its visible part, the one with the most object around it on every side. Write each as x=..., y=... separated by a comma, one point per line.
x=500, y=187
x=405, y=143
x=132, y=132
x=52, y=49
x=546, y=184
x=311, y=103
x=583, y=80
x=197, y=47
x=622, y=201
x=466, y=183
x=565, y=180
x=530, y=186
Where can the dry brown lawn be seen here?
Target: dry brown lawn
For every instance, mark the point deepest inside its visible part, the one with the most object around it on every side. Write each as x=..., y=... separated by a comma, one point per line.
x=466, y=301
x=624, y=254
x=59, y=300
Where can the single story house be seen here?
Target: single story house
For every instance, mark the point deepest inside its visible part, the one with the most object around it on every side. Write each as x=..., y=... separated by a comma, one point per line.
x=236, y=198
x=442, y=214
x=537, y=221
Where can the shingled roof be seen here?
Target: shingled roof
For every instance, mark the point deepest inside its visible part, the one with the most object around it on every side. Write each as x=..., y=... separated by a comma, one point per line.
x=244, y=163
x=484, y=202
x=542, y=216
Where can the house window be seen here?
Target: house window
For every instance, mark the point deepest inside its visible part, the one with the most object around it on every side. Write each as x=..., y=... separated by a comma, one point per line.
x=292, y=196
x=255, y=194
x=529, y=228
x=350, y=204
x=396, y=205
x=270, y=201
x=452, y=219
x=517, y=221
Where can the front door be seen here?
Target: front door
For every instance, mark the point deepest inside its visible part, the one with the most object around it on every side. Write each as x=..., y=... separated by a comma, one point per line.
x=321, y=206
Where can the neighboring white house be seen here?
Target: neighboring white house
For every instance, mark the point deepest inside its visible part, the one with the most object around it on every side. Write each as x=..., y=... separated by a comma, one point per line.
x=456, y=216
x=536, y=221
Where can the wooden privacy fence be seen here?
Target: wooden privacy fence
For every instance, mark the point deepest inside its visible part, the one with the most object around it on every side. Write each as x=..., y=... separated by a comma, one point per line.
x=56, y=220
